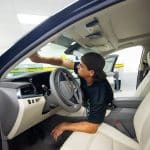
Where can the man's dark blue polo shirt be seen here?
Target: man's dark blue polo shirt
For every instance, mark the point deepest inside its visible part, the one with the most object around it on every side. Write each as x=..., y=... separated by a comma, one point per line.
x=96, y=97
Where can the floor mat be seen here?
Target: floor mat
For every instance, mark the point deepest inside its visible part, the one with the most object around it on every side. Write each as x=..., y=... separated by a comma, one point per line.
x=33, y=140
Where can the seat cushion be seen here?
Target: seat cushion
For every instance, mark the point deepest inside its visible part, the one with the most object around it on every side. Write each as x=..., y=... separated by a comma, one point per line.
x=106, y=138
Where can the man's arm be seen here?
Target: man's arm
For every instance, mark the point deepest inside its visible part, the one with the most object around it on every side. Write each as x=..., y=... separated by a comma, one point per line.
x=83, y=126
x=52, y=60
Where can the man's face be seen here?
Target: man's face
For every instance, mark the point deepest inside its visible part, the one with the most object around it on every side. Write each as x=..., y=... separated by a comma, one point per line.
x=84, y=72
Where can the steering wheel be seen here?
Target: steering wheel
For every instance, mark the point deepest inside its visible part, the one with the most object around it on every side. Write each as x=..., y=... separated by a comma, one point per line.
x=66, y=90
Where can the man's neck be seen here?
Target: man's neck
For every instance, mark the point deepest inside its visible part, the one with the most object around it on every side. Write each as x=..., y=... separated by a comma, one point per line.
x=89, y=81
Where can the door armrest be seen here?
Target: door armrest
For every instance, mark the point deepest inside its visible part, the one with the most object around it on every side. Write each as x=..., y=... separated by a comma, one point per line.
x=127, y=102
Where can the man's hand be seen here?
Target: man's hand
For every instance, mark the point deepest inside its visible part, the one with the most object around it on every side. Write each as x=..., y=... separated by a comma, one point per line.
x=82, y=126
x=34, y=57
x=58, y=130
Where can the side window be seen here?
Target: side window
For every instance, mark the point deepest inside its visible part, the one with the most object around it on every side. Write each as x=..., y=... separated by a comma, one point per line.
x=110, y=63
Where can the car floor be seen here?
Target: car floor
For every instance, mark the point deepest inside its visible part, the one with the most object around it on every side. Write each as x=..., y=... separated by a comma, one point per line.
x=39, y=137
x=28, y=144
x=36, y=138
x=39, y=145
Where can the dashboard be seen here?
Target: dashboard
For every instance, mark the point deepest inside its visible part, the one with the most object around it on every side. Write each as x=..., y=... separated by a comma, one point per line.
x=25, y=101
x=39, y=82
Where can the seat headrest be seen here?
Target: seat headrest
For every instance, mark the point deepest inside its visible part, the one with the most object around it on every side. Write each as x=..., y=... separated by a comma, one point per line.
x=148, y=58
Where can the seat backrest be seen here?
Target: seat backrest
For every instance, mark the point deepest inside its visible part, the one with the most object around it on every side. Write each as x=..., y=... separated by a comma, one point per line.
x=142, y=123
x=144, y=86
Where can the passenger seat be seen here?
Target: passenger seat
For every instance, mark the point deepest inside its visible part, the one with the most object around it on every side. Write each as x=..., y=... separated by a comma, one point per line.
x=109, y=138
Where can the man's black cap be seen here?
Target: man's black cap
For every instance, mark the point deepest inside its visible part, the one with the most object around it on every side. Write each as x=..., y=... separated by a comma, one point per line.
x=96, y=62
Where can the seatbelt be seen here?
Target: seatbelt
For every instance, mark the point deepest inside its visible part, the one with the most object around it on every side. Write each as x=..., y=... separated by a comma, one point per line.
x=4, y=139
x=146, y=72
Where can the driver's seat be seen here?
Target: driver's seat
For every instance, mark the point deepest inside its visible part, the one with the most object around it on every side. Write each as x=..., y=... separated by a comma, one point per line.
x=109, y=138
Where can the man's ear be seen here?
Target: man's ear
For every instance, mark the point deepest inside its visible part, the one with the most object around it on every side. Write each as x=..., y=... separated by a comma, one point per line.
x=92, y=73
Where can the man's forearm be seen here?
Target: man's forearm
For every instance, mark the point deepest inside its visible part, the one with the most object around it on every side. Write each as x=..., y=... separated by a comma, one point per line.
x=49, y=60
x=81, y=127
x=52, y=60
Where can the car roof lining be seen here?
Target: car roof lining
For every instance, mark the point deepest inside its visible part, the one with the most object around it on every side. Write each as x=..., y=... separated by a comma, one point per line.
x=122, y=25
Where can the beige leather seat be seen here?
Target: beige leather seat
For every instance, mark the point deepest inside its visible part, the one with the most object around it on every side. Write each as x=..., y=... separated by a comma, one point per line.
x=144, y=86
x=109, y=138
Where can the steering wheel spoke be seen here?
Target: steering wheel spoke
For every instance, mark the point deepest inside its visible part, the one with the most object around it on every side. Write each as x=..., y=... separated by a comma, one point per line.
x=76, y=95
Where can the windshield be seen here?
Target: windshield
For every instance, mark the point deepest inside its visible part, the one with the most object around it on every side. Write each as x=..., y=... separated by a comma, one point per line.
x=27, y=66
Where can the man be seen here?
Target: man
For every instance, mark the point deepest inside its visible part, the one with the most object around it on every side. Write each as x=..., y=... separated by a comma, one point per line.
x=97, y=91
